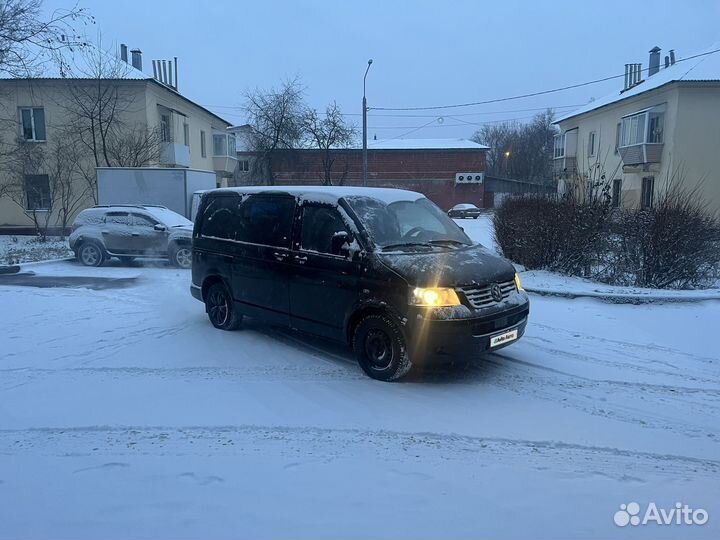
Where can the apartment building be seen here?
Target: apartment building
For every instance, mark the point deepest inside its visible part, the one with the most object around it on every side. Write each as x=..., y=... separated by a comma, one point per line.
x=662, y=127
x=38, y=110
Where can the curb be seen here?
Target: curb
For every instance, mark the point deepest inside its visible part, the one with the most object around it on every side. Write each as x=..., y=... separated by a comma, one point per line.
x=617, y=298
x=46, y=261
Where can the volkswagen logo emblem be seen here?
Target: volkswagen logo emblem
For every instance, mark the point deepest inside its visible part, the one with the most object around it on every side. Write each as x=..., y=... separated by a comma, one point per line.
x=496, y=292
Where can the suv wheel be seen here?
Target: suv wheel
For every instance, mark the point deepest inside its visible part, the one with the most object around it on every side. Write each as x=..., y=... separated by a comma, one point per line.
x=181, y=255
x=91, y=254
x=220, y=308
x=381, y=348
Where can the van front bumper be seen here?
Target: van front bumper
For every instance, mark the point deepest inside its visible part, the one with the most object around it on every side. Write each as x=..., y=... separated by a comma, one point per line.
x=458, y=339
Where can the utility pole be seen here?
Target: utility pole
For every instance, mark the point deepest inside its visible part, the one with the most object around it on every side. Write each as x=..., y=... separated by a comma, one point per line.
x=364, y=120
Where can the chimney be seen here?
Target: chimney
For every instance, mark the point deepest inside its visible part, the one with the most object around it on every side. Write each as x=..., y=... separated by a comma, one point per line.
x=123, y=52
x=672, y=57
x=654, y=65
x=136, y=59
x=667, y=61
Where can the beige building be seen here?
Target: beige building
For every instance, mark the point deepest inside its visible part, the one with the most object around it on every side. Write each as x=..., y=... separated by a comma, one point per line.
x=662, y=127
x=39, y=111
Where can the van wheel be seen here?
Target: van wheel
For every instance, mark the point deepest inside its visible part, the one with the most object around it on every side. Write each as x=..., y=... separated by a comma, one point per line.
x=381, y=348
x=220, y=308
x=91, y=254
x=180, y=255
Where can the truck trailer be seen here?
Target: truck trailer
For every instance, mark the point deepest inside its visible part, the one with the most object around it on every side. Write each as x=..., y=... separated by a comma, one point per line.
x=177, y=189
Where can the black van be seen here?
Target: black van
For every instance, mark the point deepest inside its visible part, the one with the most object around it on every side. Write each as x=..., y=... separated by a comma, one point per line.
x=384, y=270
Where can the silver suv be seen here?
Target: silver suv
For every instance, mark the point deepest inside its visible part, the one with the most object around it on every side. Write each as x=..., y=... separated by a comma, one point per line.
x=129, y=232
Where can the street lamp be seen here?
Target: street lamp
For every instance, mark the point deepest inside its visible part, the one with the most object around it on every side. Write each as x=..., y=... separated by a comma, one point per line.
x=364, y=116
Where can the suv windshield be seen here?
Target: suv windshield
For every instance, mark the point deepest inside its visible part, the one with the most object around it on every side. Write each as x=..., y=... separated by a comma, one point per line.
x=406, y=222
x=168, y=217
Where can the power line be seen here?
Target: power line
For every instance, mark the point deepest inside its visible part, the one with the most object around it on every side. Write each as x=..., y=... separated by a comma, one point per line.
x=237, y=108
x=532, y=94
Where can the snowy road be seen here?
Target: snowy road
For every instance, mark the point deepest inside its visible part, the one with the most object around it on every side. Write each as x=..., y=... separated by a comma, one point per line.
x=124, y=414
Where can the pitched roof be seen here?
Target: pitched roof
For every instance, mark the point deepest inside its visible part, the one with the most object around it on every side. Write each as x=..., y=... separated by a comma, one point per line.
x=425, y=144
x=92, y=63
x=703, y=66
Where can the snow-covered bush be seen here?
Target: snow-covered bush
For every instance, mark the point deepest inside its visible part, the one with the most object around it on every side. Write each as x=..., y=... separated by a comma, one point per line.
x=675, y=244
x=564, y=234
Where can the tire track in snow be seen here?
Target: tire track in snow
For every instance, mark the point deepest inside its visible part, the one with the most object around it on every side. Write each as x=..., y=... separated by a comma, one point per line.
x=330, y=443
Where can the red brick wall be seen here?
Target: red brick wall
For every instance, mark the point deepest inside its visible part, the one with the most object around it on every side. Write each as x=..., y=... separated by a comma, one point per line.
x=431, y=172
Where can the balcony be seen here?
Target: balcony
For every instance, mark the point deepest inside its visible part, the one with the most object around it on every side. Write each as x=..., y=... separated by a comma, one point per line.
x=224, y=153
x=174, y=154
x=564, y=167
x=641, y=154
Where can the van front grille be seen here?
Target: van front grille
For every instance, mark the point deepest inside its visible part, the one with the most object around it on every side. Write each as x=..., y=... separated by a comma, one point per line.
x=480, y=297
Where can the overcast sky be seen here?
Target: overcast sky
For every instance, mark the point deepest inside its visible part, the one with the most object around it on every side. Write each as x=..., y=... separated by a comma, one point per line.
x=425, y=53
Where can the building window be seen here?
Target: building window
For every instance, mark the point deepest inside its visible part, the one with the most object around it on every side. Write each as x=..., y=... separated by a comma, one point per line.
x=165, y=135
x=655, y=127
x=559, y=146
x=37, y=190
x=591, y=143
x=643, y=128
x=203, y=144
x=33, y=124
x=617, y=192
x=219, y=145
x=231, y=145
x=646, y=196
x=186, y=134
x=244, y=165
x=618, y=129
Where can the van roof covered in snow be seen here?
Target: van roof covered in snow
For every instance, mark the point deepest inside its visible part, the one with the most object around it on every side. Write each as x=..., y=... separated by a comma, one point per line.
x=386, y=195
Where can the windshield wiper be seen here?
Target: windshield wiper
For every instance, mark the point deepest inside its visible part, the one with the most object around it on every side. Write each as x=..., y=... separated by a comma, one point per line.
x=407, y=244
x=445, y=241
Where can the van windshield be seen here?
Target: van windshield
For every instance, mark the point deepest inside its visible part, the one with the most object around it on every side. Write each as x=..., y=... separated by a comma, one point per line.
x=406, y=222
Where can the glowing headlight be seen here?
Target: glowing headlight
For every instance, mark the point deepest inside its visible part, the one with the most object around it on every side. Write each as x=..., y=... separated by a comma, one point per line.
x=434, y=297
x=517, y=283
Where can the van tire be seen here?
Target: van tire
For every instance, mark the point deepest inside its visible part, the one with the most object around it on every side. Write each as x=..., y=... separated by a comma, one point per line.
x=221, y=309
x=91, y=254
x=381, y=348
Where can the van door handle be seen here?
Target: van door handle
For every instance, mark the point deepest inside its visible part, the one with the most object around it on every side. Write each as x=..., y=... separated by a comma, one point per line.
x=106, y=232
x=135, y=234
x=301, y=259
x=279, y=256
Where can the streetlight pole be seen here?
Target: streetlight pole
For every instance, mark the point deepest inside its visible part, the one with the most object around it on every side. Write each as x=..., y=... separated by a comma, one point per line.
x=364, y=117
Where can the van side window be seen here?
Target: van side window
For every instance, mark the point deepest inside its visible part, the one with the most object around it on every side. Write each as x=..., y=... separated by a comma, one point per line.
x=266, y=220
x=219, y=218
x=319, y=224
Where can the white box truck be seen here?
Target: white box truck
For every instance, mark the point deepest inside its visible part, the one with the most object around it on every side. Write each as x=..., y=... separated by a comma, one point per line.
x=177, y=189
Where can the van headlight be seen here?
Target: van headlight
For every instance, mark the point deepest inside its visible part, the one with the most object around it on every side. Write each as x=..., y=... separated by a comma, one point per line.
x=517, y=283
x=434, y=297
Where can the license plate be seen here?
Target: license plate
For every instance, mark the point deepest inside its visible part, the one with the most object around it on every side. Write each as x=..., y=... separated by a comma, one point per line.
x=503, y=338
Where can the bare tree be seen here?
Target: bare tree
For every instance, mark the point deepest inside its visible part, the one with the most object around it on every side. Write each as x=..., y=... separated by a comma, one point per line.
x=521, y=151
x=28, y=39
x=43, y=181
x=276, y=117
x=329, y=133
x=96, y=104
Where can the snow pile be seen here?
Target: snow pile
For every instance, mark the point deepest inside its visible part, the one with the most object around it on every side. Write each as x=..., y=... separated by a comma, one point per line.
x=16, y=249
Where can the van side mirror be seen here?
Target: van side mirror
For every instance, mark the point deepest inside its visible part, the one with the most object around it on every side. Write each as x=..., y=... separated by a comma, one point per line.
x=340, y=244
x=160, y=227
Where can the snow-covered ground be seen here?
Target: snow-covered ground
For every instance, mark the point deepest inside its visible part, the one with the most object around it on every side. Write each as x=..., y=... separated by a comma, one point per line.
x=21, y=249
x=125, y=414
